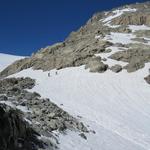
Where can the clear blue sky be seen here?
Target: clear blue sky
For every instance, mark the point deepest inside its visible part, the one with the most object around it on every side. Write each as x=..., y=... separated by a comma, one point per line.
x=28, y=25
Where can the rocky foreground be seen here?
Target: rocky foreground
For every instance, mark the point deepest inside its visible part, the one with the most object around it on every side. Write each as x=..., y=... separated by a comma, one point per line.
x=30, y=117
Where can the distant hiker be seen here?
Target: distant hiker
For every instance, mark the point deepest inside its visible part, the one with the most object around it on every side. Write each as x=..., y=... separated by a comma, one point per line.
x=49, y=74
x=149, y=71
x=56, y=72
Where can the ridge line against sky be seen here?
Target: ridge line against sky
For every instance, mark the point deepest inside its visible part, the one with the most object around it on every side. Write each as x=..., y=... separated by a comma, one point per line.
x=29, y=25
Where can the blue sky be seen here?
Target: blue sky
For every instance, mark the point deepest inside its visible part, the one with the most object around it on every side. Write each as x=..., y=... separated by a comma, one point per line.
x=28, y=25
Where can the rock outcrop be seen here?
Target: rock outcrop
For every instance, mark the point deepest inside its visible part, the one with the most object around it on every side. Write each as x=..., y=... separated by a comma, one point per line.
x=67, y=54
x=137, y=18
x=116, y=68
x=135, y=57
x=95, y=65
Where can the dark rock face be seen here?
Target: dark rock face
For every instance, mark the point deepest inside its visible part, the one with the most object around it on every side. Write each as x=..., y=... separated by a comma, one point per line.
x=147, y=79
x=15, y=133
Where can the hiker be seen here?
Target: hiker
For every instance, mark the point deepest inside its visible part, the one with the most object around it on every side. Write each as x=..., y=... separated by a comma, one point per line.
x=49, y=74
x=56, y=73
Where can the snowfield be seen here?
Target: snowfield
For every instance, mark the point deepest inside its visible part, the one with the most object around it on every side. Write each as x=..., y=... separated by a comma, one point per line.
x=6, y=60
x=115, y=106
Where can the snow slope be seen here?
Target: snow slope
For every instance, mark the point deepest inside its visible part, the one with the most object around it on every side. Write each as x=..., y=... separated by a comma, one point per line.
x=6, y=60
x=115, y=106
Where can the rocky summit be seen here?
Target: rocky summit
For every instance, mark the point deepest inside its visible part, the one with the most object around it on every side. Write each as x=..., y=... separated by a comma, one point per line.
x=86, y=92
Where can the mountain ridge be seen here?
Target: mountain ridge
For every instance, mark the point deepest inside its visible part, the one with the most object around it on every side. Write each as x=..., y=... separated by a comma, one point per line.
x=81, y=46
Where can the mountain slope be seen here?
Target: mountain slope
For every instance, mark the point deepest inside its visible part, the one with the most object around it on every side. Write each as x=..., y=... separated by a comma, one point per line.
x=81, y=46
x=113, y=102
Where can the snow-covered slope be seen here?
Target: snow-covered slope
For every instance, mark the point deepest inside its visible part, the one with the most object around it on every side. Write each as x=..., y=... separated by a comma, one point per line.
x=6, y=60
x=115, y=106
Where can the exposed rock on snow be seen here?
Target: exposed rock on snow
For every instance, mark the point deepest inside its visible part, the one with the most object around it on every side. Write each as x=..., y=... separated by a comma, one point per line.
x=147, y=79
x=116, y=68
x=95, y=65
x=135, y=57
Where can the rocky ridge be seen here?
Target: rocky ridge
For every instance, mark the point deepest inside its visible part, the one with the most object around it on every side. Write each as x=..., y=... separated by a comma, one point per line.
x=80, y=47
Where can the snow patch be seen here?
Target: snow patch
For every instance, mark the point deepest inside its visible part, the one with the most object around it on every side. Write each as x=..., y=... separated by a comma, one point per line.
x=124, y=38
x=112, y=62
x=138, y=27
x=117, y=13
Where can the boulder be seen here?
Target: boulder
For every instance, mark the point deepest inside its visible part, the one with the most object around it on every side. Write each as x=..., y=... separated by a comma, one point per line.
x=95, y=65
x=147, y=79
x=116, y=68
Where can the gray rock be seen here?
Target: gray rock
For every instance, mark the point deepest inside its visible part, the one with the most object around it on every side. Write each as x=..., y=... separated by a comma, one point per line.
x=95, y=65
x=142, y=40
x=136, y=57
x=83, y=136
x=116, y=68
x=3, y=98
